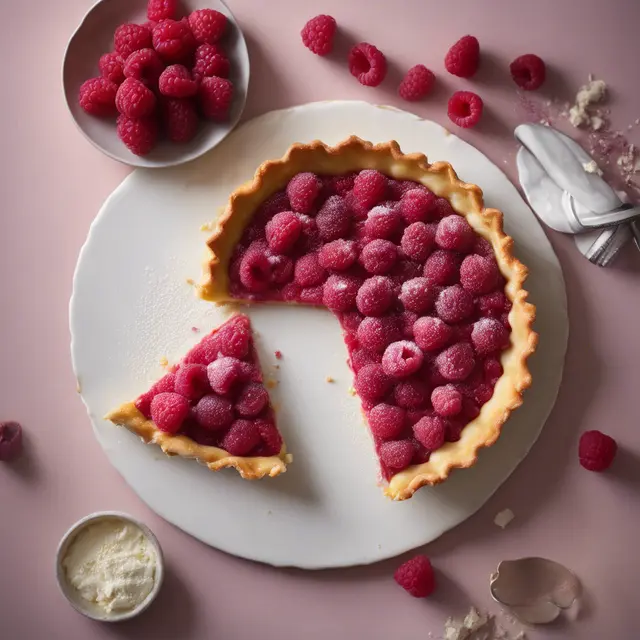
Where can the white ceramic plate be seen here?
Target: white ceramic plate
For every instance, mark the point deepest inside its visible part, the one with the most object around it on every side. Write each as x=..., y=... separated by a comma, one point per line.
x=94, y=36
x=132, y=305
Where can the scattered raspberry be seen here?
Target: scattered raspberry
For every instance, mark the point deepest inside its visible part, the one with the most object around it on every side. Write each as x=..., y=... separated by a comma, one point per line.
x=255, y=270
x=173, y=40
x=382, y=222
x=456, y=362
x=396, y=454
x=454, y=233
x=492, y=370
x=318, y=34
x=138, y=134
x=168, y=411
x=134, y=100
x=379, y=256
x=596, y=450
x=416, y=205
x=465, y=109
x=303, y=190
x=192, y=381
x=489, y=335
x=214, y=412
x=252, y=400
x=371, y=382
x=446, y=401
x=368, y=64
x=431, y=333
x=442, y=267
x=454, y=304
x=278, y=355
x=386, y=421
x=479, y=275
x=376, y=334
x=271, y=438
x=416, y=576
x=10, y=441
x=417, y=83
x=97, y=96
x=161, y=9
x=493, y=304
x=131, y=37
x=340, y=291
x=369, y=187
x=418, y=240
x=283, y=230
x=463, y=58
x=411, y=394
x=207, y=25
x=402, y=358
x=180, y=119
x=528, y=72
x=242, y=437
x=210, y=60
x=308, y=272
x=144, y=65
x=215, y=96
x=375, y=296
x=224, y=372
x=430, y=432
x=417, y=295
x=176, y=82
x=143, y=403
x=333, y=219
x=338, y=255
x=111, y=67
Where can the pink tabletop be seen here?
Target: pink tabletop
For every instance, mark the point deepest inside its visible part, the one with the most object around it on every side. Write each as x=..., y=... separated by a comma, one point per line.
x=53, y=183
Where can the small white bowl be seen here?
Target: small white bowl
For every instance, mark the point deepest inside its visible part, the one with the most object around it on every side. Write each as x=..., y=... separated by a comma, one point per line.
x=94, y=37
x=90, y=609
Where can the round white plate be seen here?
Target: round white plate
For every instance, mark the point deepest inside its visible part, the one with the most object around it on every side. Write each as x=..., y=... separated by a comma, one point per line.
x=132, y=305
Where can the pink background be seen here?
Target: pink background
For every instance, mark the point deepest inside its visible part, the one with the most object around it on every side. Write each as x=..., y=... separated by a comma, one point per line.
x=53, y=183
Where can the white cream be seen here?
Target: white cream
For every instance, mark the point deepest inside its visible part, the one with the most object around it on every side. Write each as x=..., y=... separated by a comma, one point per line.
x=112, y=564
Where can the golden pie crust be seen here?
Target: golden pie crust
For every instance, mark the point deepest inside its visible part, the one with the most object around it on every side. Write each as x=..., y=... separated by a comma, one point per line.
x=355, y=154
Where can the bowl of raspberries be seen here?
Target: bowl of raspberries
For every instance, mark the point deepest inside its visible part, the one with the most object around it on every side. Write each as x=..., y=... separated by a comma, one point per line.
x=156, y=83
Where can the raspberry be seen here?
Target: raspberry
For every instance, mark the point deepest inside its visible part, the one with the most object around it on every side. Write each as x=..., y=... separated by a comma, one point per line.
x=417, y=295
x=431, y=333
x=281, y=268
x=454, y=427
x=375, y=296
x=454, y=233
x=402, y=358
x=224, y=372
x=173, y=40
x=318, y=34
x=143, y=403
x=234, y=338
x=275, y=204
x=470, y=410
x=340, y=185
x=210, y=60
x=252, y=400
x=379, y=256
x=493, y=304
x=180, y=119
x=504, y=318
x=462, y=332
x=416, y=576
x=338, y=255
x=138, y=134
x=456, y=362
x=242, y=437
x=10, y=441
x=255, y=270
x=176, y=82
x=368, y=64
x=465, y=109
x=479, y=275
x=333, y=219
x=215, y=96
x=207, y=25
x=303, y=189
x=283, y=230
x=369, y=187
x=483, y=248
x=376, y=334
x=111, y=67
x=416, y=205
x=339, y=292
x=396, y=454
x=407, y=320
x=371, y=382
x=382, y=222
x=492, y=370
x=192, y=381
x=214, y=412
x=418, y=240
x=528, y=72
x=405, y=270
x=442, y=267
x=463, y=58
x=312, y=295
x=97, y=96
x=161, y=9
x=308, y=272
x=386, y=421
x=596, y=450
x=131, y=37
x=411, y=394
x=416, y=84
x=360, y=358
x=489, y=335
x=446, y=401
x=454, y=304
x=168, y=411
x=430, y=432
x=482, y=393
x=134, y=100
x=144, y=65
x=271, y=438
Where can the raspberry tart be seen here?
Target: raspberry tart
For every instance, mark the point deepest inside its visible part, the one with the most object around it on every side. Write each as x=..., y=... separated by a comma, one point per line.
x=213, y=406
x=421, y=277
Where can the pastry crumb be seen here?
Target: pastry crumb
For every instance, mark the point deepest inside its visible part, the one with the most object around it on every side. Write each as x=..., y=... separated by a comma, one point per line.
x=78, y=386
x=207, y=226
x=329, y=379
x=477, y=625
x=592, y=167
x=164, y=362
x=351, y=391
x=503, y=518
x=270, y=383
x=190, y=282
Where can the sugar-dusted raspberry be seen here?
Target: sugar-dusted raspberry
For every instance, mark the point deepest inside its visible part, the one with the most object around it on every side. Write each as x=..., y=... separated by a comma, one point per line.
x=318, y=34
x=308, y=272
x=338, y=255
x=463, y=58
x=454, y=304
x=339, y=185
x=431, y=333
x=596, y=450
x=402, y=358
x=350, y=321
x=215, y=95
x=483, y=248
x=462, y=331
x=416, y=577
x=143, y=403
x=281, y=268
x=97, y=96
x=138, y=134
x=283, y=231
x=387, y=421
x=10, y=440
x=470, y=411
x=368, y=64
x=407, y=320
x=192, y=381
x=493, y=304
x=270, y=436
x=274, y=204
x=144, y=65
x=456, y=362
x=234, y=338
x=376, y=334
x=333, y=219
x=465, y=108
x=207, y=25
x=479, y=275
x=360, y=358
x=454, y=427
x=255, y=269
x=382, y=222
x=252, y=399
x=379, y=256
x=482, y=393
x=416, y=205
x=111, y=67
x=214, y=412
x=176, y=82
x=528, y=71
x=417, y=83
x=242, y=437
x=442, y=267
x=371, y=382
x=396, y=454
x=180, y=119
x=134, y=99
x=369, y=187
x=446, y=401
x=210, y=60
x=418, y=240
x=411, y=393
x=492, y=370
x=504, y=318
x=489, y=335
x=131, y=37
x=303, y=189
x=454, y=233
x=417, y=295
x=340, y=291
x=429, y=431
x=224, y=372
x=375, y=296
x=405, y=270
x=169, y=410
x=312, y=295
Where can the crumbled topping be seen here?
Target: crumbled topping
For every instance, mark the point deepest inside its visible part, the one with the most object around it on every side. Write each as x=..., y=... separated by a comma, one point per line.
x=164, y=362
x=477, y=625
x=207, y=226
x=351, y=391
x=592, y=167
x=503, y=518
x=329, y=379
x=592, y=93
x=190, y=282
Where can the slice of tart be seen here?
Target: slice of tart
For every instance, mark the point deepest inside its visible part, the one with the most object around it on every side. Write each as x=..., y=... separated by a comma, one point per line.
x=213, y=406
x=421, y=277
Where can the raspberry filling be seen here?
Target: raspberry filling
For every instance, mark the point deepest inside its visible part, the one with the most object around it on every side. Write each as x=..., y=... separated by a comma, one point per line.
x=216, y=395
x=417, y=291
